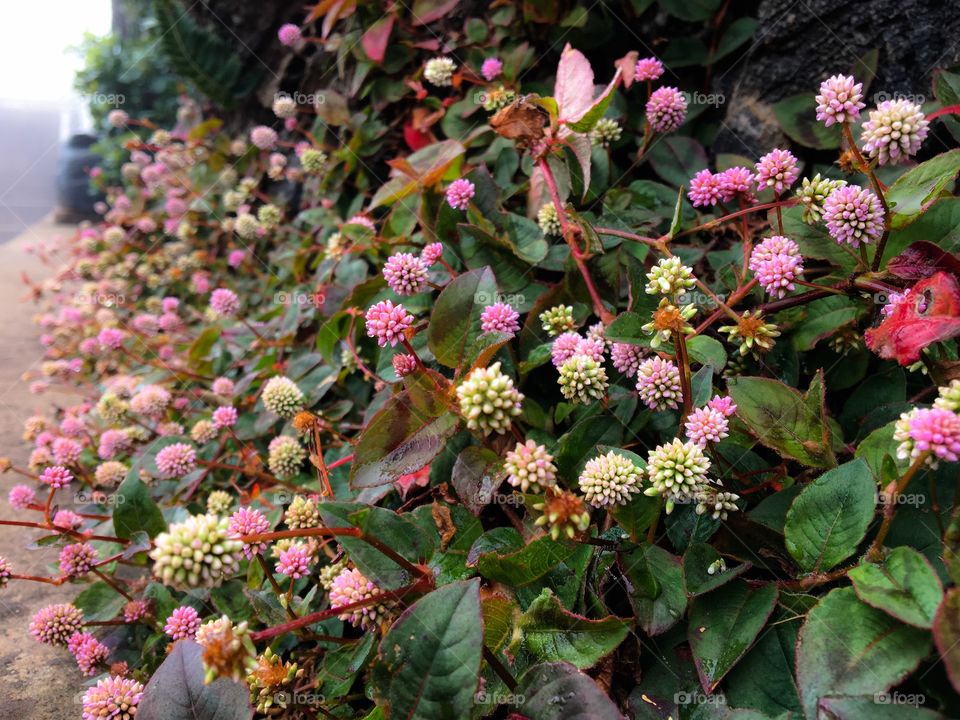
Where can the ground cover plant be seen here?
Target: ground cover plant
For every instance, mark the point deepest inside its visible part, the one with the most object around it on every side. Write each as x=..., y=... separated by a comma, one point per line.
x=426, y=399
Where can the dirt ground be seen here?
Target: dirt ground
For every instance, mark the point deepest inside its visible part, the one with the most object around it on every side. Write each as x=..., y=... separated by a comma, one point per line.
x=40, y=682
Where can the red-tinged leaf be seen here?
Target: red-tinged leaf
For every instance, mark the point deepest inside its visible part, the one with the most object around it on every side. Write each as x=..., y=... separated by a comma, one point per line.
x=426, y=11
x=930, y=314
x=946, y=635
x=574, y=88
x=416, y=139
x=375, y=39
x=921, y=260
x=628, y=67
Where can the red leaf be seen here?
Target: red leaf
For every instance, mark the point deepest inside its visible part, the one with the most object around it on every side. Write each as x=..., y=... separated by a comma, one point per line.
x=426, y=11
x=921, y=260
x=415, y=138
x=930, y=314
x=628, y=66
x=375, y=39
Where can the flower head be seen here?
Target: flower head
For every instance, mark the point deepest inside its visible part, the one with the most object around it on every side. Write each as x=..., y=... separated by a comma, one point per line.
x=77, y=559
x=88, y=652
x=717, y=503
x=135, y=610
x=610, y=479
x=670, y=277
x=56, y=476
x=777, y=262
x=282, y=397
x=403, y=364
x=295, y=561
x=5, y=571
x=814, y=193
x=778, y=170
x=500, y=317
x=557, y=319
x=263, y=137
x=183, y=622
x=706, y=425
x=723, y=405
x=648, y=69
x=224, y=302
x=405, y=273
x=548, y=220
x=853, y=215
x=751, y=333
x=177, y=460
x=606, y=132
x=350, y=586
x=249, y=521
x=491, y=68
x=895, y=131
x=839, y=100
x=289, y=34
x=439, y=71
x=626, y=357
x=658, y=382
x=388, y=323
x=676, y=471
x=285, y=456
x=198, y=552
x=530, y=467
x=666, y=109
x=562, y=513
x=929, y=430
x=705, y=189
x=113, y=698
x=582, y=379
x=736, y=181
x=431, y=253
x=488, y=400
x=459, y=194
x=21, y=496
x=948, y=397
x=55, y=624
x=302, y=513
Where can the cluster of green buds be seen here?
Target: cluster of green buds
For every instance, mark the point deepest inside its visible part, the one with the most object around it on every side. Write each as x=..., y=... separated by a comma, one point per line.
x=549, y=220
x=557, y=320
x=219, y=502
x=813, y=193
x=497, y=99
x=197, y=552
x=670, y=277
x=488, y=400
x=669, y=320
x=605, y=132
x=269, y=681
x=751, y=333
x=302, y=513
x=313, y=161
x=582, y=379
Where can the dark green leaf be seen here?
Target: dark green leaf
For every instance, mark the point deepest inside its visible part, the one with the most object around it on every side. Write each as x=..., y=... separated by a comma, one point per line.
x=558, y=691
x=903, y=585
x=455, y=320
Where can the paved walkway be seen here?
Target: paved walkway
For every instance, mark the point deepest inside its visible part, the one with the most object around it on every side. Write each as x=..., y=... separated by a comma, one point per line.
x=40, y=682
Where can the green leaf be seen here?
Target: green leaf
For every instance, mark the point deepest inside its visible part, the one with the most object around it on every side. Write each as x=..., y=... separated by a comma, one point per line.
x=797, y=117
x=874, y=708
x=552, y=633
x=783, y=419
x=737, y=33
x=558, y=691
x=677, y=158
x=707, y=351
x=398, y=532
x=99, y=602
x=946, y=634
x=656, y=589
x=428, y=664
x=455, y=320
x=677, y=215
x=177, y=691
x=477, y=474
x=696, y=562
x=724, y=624
x=690, y=10
x=400, y=439
x=341, y=665
x=830, y=516
x=200, y=348
x=637, y=515
x=848, y=648
x=626, y=328
x=526, y=565
x=904, y=585
x=135, y=510
x=920, y=187
x=427, y=166
x=824, y=318
x=764, y=678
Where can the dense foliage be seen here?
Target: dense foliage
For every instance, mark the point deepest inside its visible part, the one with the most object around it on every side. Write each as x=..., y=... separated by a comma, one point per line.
x=470, y=388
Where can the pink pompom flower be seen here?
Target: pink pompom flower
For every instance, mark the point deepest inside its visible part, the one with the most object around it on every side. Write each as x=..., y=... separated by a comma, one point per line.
x=388, y=323
x=249, y=521
x=839, y=100
x=289, y=34
x=294, y=562
x=77, y=559
x=177, y=460
x=706, y=425
x=648, y=69
x=21, y=496
x=491, y=68
x=500, y=317
x=113, y=698
x=56, y=476
x=459, y=194
x=431, y=253
x=734, y=182
x=263, y=137
x=704, y=189
x=723, y=404
x=666, y=109
x=224, y=302
x=88, y=652
x=777, y=169
x=405, y=273
x=626, y=357
x=183, y=623
x=403, y=364
x=224, y=417
x=777, y=262
x=853, y=215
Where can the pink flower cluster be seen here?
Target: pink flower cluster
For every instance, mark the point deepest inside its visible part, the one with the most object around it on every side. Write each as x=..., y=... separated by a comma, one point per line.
x=777, y=262
x=224, y=302
x=405, y=273
x=853, y=215
x=778, y=169
x=88, y=652
x=294, y=562
x=647, y=69
x=183, y=622
x=491, y=68
x=500, y=317
x=839, y=100
x=707, y=188
x=666, y=109
x=388, y=322
x=709, y=424
x=249, y=521
x=937, y=431
x=459, y=194
x=177, y=460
